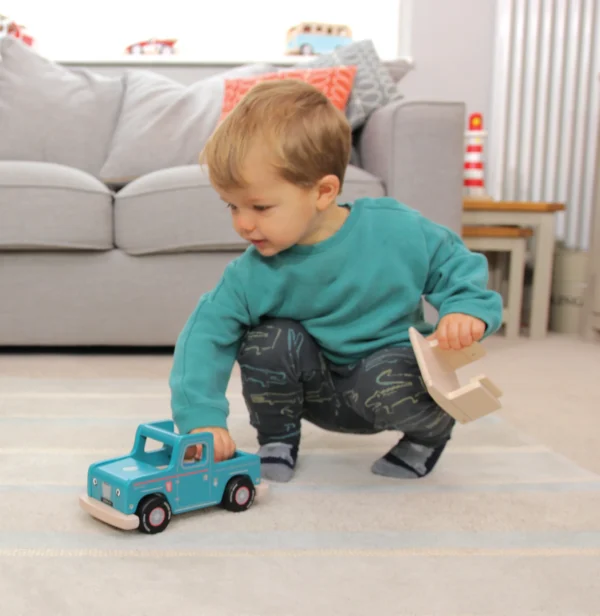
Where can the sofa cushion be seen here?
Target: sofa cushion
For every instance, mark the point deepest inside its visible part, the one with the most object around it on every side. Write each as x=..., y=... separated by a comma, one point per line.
x=177, y=210
x=164, y=123
x=45, y=206
x=335, y=82
x=49, y=113
x=373, y=87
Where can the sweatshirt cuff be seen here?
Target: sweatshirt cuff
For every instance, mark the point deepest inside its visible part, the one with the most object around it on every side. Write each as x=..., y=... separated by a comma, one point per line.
x=189, y=418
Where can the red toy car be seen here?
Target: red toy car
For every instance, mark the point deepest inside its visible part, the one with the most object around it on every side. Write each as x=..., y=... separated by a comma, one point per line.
x=8, y=27
x=152, y=46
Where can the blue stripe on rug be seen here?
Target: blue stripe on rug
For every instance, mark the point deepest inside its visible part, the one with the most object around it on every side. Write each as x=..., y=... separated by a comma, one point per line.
x=297, y=540
x=399, y=488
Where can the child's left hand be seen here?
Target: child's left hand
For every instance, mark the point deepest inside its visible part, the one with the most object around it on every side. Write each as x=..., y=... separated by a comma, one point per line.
x=457, y=331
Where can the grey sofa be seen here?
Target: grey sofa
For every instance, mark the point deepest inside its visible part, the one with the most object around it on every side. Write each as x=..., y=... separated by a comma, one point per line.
x=89, y=261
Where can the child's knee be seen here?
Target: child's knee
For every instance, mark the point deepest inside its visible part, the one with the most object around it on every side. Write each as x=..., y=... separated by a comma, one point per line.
x=265, y=346
x=392, y=361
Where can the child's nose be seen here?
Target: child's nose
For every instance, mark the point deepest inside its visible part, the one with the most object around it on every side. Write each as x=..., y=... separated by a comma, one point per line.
x=246, y=223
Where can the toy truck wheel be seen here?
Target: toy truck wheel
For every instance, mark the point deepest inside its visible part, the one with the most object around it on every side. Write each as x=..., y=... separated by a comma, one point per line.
x=154, y=513
x=239, y=494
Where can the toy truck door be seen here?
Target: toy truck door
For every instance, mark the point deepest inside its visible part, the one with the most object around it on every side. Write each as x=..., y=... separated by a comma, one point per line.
x=193, y=484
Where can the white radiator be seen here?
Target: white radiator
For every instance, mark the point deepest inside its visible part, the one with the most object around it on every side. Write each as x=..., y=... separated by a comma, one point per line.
x=545, y=108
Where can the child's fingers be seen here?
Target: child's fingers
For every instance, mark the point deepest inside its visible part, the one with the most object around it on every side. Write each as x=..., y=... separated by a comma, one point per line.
x=478, y=329
x=218, y=453
x=441, y=334
x=458, y=333
x=223, y=447
x=227, y=447
x=193, y=452
x=231, y=448
x=465, y=333
x=453, y=334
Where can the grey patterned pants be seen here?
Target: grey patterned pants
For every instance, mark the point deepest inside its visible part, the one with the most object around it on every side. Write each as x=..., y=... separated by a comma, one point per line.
x=286, y=378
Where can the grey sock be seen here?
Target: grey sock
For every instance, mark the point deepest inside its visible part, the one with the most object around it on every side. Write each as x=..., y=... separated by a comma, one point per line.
x=408, y=460
x=278, y=461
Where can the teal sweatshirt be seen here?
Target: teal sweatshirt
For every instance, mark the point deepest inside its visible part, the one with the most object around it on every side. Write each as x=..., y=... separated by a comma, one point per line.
x=355, y=292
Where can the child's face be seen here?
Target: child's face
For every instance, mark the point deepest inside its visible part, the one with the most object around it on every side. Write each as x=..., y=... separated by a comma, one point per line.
x=274, y=214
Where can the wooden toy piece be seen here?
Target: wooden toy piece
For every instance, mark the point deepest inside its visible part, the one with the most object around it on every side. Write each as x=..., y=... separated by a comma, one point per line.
x=438, y=369
x=144, y=488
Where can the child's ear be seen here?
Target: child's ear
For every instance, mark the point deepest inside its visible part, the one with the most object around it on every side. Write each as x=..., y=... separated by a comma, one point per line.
x=328, y=189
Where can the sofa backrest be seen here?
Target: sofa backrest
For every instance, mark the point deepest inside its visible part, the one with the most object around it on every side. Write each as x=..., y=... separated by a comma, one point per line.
x=122, y=127
x=49, y=113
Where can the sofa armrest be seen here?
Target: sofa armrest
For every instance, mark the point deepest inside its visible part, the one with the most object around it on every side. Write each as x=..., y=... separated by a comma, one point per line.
x=417, y=150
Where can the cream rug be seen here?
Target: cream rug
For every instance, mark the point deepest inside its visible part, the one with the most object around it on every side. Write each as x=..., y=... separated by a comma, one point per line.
x=504, y=526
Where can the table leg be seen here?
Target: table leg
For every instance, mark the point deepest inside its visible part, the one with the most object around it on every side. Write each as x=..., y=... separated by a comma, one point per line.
x=515, y=287
x=542, y=276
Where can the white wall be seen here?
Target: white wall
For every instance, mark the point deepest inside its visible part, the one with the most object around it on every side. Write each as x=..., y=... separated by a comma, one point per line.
x=453, y=50
x=229, y=30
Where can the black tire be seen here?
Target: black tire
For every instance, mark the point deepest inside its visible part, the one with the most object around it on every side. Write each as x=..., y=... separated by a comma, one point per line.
x=154, y=513
x=239, y=494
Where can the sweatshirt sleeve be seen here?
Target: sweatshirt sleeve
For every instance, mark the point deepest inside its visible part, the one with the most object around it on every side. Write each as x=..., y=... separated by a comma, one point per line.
x=205, y=352
x=457, y=279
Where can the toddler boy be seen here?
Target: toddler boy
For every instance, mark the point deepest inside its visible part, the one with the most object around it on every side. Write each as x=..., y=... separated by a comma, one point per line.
x=317, y=310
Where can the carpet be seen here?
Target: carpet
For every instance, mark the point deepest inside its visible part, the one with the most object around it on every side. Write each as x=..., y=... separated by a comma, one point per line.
x=503, y=526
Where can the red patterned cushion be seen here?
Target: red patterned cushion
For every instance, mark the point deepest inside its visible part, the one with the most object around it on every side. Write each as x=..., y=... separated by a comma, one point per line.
x=335, y=82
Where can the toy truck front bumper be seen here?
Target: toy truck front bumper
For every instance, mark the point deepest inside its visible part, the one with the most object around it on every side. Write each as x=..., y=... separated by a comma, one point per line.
x=107, y=514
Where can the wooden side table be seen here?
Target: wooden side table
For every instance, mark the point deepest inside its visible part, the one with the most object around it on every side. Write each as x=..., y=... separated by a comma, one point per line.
x=540, y=216
x=511, y=241
x=590, y=320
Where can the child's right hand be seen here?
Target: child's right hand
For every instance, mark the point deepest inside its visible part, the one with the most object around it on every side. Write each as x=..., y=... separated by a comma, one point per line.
x=223, y=445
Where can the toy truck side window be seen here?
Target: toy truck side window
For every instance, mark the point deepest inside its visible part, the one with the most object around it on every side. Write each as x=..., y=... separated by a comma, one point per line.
x=189, y=456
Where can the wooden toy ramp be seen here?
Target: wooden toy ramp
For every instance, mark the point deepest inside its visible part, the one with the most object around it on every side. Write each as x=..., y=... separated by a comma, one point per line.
x=438, y=369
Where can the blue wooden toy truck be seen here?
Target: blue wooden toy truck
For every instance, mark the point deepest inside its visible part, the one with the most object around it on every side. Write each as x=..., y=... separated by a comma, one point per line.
x=143, y=489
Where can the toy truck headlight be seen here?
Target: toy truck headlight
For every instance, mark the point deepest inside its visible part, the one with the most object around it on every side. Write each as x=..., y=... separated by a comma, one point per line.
x=94, y=481
x=118, y=492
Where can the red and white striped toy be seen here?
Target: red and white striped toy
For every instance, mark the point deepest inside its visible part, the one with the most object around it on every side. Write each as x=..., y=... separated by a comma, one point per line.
x=474, y=180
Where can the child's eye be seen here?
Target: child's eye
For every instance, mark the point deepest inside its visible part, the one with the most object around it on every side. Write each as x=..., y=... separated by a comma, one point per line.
x=262, y=208
x=231, y=206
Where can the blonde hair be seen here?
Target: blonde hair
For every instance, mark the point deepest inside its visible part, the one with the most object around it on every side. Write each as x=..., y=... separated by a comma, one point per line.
x=306, y=134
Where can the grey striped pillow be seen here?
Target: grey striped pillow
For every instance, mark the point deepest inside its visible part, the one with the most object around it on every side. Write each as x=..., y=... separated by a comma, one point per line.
x=373, y=85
